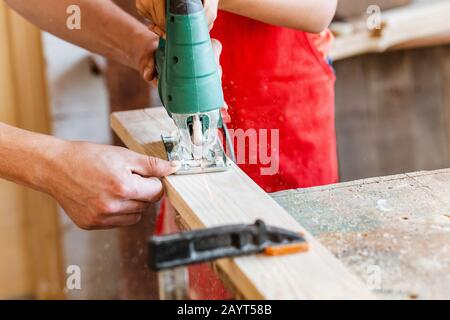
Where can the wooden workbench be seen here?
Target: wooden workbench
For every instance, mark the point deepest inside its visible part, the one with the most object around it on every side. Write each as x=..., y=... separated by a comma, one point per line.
x=393, y=232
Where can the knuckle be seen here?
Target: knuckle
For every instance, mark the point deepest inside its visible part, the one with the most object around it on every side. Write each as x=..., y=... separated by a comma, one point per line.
x=126, y=191
x=120, y=188
x=158, y=190
x=104, y=207
x=152, y=163
x=132, y=192
x=157, y=167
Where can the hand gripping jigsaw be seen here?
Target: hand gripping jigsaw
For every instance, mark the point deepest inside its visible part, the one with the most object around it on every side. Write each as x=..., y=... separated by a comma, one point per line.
x=191, y=90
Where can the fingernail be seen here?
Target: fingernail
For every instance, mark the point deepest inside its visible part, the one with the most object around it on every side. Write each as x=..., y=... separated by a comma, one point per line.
x=176, y=165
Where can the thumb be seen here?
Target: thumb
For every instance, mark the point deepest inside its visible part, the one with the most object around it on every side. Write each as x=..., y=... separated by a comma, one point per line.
x=154, y=167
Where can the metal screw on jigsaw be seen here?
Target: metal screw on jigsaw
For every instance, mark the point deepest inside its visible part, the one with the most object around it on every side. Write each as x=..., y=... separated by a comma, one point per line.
x=191, y=89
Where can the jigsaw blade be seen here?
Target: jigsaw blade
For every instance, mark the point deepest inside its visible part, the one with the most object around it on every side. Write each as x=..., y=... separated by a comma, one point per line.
x=196, y=145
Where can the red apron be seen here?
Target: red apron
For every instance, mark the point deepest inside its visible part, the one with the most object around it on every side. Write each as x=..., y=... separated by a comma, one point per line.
x=276, y=80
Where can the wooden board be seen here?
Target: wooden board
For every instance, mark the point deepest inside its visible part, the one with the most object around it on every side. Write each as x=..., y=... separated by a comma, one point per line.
x=215, y=199
x=393, y=232
x=38, y=253
x=415, y=25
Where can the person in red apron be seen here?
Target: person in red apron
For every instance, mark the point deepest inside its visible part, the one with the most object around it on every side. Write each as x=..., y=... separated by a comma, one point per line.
x=277, y=80
x=278, y=84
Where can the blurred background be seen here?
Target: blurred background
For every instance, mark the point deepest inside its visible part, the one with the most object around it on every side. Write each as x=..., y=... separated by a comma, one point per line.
x=392, y=116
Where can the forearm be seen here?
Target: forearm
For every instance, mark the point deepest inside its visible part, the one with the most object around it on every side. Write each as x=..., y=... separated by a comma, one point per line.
x=98, y=186
x=26, y=157
x=307, y=15
x=105, y=28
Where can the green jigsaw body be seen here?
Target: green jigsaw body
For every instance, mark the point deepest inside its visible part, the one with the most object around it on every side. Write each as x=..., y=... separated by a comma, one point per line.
x=189, y=80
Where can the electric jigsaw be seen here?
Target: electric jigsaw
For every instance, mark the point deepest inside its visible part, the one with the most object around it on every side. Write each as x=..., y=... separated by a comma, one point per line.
x=190, y=89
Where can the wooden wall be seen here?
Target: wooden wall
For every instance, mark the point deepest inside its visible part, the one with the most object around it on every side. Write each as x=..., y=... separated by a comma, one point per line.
x=30, y=255
x=14, y=279
x=393, y=112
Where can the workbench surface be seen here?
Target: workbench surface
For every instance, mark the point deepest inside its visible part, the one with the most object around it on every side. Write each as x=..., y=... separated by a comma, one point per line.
x=393, y=232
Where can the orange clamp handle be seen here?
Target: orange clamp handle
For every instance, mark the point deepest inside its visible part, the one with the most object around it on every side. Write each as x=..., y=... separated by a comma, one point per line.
x=287, y=249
